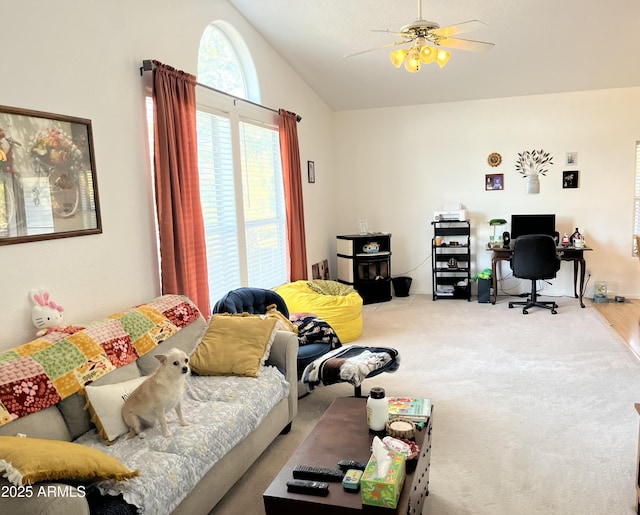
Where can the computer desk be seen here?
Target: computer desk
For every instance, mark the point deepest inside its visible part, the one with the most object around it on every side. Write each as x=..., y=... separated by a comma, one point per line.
x=566, y=253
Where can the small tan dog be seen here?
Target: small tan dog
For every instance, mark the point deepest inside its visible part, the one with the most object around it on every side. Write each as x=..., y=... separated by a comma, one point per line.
x=159, y=394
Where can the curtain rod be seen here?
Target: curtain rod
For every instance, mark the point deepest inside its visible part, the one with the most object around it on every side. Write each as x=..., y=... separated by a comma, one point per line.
x=147, y=66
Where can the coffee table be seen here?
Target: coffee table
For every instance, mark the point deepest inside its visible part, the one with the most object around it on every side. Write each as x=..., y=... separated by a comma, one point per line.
x=342, y=433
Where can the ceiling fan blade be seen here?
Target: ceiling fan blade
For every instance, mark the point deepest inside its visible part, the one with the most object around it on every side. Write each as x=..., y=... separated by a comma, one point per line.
x=466, y=44
x=394, y=33
x=459, y=28
x=397, y=43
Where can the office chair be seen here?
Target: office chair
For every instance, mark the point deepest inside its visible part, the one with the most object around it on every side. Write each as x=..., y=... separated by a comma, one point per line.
x=535, y=257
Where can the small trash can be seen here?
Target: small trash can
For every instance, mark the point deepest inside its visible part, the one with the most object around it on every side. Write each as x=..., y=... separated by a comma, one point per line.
x=484, y=290
x=401, y=286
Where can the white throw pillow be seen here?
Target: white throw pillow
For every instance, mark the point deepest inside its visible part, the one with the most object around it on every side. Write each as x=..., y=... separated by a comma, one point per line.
x=105, y=404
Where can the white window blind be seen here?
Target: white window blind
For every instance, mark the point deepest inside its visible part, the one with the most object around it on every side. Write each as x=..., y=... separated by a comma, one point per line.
x=263, y=203
x=242, y=195
x=217, y=195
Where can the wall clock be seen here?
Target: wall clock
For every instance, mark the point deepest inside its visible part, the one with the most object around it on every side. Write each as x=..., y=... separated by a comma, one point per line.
x=494, y=159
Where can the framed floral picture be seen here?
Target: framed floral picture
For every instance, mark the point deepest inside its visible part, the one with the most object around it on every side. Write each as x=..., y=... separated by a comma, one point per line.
x=48, y=185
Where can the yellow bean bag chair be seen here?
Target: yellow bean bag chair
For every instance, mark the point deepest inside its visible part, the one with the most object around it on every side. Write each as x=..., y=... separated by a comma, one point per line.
x=337, y=304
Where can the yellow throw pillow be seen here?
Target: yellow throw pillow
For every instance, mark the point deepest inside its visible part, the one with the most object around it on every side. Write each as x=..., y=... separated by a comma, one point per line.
x=29, y=460
x=234, y=345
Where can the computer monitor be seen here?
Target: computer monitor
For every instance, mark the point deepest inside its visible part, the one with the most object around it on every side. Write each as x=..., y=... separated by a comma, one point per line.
x=532, y=224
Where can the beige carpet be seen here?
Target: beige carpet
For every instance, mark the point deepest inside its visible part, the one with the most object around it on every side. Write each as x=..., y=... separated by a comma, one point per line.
x=534, y=414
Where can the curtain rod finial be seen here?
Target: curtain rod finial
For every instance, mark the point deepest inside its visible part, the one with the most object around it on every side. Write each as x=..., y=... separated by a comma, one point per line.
x=147, y=66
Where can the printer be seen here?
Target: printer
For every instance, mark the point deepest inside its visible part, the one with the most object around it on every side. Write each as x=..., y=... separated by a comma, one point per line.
x=453, y=212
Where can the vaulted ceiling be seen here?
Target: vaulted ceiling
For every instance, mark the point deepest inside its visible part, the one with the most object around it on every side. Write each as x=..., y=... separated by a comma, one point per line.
x=541, y=46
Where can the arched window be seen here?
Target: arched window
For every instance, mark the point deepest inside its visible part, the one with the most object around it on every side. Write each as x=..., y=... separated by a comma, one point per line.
x=224, y=62
x=241, y=185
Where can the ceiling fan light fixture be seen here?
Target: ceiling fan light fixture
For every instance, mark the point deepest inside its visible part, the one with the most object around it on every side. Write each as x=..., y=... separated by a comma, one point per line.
x=398, y=56
x=413, y=63
x=425, y=38
x=428, y=54
x=442, y=57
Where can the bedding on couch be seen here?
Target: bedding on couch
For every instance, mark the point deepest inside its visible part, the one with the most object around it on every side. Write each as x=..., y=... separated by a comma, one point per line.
x=41, y=373
x=221, y=413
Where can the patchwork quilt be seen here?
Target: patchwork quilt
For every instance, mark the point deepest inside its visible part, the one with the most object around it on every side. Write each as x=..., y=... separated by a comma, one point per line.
x=41, y=373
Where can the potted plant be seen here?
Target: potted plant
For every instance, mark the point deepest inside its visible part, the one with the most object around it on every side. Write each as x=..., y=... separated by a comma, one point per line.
x=533, y=164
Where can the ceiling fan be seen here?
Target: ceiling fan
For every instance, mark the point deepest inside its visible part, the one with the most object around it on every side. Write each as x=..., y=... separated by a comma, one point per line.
x=427, y=42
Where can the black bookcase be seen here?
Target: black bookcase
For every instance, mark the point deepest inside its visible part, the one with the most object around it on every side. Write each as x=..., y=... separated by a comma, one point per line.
x=451, y=259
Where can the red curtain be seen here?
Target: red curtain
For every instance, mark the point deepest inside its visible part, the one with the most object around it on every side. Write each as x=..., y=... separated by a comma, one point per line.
x=182, y=242
x=290, y=155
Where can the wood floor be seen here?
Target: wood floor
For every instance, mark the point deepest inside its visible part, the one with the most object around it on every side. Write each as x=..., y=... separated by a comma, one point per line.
x=624, y=317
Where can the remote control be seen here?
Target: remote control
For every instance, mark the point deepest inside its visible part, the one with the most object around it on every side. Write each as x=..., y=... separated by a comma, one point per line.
x=302, y=486
x=352, y=464
x=317, y=473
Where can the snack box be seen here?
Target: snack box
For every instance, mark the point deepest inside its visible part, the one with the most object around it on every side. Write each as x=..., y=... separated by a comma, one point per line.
x=385, y=491
x=351, y=480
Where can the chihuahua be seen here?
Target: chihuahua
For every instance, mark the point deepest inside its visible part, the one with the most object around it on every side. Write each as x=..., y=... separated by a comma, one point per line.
x=159, y=394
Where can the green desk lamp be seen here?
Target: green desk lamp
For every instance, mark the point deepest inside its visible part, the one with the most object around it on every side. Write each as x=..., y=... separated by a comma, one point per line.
x=496, y=241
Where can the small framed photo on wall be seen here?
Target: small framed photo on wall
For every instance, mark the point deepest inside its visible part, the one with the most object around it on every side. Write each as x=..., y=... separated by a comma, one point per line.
x=570, y=179
x=571, y=159
x=311, y=171
x=494, y=181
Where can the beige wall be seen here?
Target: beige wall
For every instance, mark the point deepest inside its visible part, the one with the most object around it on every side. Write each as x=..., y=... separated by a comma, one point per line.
x=405, y=163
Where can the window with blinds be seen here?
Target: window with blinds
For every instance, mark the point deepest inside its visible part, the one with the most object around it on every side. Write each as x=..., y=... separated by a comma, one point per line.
x=242, y=202
x=241, y=184
x=217, y=195
x=263, y=205
x=636, y=202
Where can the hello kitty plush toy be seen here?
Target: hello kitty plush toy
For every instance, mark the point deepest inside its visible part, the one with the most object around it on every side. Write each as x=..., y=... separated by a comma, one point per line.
x=47, y=316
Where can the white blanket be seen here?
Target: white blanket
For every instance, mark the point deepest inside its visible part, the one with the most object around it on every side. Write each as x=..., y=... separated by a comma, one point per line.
x=221, y=412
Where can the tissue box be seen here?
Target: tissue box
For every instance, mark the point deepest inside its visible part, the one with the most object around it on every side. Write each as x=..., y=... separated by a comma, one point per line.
x=385, y=491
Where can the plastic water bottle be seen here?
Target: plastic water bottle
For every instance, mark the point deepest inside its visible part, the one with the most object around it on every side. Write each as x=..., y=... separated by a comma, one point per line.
x=377, y=409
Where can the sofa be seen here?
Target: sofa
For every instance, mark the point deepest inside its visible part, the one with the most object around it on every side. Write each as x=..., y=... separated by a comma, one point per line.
x=232, y=418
